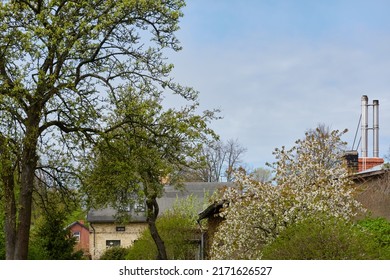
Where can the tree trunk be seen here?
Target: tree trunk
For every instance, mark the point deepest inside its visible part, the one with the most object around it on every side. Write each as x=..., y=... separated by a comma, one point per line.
x=28, y=165
x=152, y=211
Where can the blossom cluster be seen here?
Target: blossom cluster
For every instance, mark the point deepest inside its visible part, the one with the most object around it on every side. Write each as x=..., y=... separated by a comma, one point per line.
x=310, y=179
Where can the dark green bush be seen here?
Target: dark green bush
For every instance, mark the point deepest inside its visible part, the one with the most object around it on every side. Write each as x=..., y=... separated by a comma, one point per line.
x=115, y=253
x=143, y=248
x=327, y=238
x=380, y=230
x=51, y=241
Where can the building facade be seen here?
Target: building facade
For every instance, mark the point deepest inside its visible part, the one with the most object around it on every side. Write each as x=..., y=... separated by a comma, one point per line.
x=105, y=230
x=81, y=234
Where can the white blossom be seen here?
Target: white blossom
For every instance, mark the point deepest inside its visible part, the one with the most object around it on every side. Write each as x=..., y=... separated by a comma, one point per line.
x=310, y=179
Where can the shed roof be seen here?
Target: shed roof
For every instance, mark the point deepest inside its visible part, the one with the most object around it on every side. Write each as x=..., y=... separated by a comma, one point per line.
x=370, y=173
x=211, y=210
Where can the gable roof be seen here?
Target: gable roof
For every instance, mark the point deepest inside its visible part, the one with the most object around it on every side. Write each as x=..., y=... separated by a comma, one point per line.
x=76, y=223
x=107, y=215
x=198, y=189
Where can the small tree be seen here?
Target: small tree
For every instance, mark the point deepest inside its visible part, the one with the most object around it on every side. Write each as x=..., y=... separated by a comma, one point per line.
x=310, y=178
x=147, y=143
x=53, y=211
x=177, y=227
x=51, y=240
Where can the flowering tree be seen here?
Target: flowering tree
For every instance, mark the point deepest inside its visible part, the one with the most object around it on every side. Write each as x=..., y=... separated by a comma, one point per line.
x=310, y=179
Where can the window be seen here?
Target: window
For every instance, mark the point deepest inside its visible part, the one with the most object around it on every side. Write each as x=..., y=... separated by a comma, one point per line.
x=120, y=228
x=76, y=236
x=112, y=243
x=139, y=207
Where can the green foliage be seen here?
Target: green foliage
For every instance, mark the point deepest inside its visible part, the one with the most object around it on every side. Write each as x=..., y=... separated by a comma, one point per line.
x=380, y=230
x=8, y=182
x=2, y=235
x=2, y=217
x=115, y=253
x=177, y=228
x=59, y=62
x=53, y=211
x=143, y=249
x=147, y=143
x=51, y=241
x=323, y=238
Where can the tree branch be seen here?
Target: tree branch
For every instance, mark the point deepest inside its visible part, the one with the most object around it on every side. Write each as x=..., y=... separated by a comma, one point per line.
x=68, y=129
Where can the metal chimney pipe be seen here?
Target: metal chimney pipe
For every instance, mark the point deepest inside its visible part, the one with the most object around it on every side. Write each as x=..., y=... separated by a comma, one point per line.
x=376, y=128
x=364, y=126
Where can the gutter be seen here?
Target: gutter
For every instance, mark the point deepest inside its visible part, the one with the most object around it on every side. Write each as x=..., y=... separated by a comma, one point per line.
x=202, y=241
x=94, y=239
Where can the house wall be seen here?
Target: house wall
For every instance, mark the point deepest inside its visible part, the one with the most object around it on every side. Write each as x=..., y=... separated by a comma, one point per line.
x=100, y=233
x=375, y=195
x=83, y=243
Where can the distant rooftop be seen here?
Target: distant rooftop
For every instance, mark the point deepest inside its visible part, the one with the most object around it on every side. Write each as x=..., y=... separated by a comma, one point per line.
x=201, y=190
x=373, y=169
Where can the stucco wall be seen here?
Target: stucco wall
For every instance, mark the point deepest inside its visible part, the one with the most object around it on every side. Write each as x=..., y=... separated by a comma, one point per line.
x=375, y=195
x=101, y=232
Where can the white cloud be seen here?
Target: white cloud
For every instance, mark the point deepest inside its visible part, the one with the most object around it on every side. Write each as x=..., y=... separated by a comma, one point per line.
x=271, y=91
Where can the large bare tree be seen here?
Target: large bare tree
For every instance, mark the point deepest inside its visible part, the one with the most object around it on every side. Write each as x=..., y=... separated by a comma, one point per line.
x=219, y=160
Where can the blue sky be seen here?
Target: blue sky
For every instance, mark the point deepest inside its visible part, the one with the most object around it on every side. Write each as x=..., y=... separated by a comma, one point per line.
x=277, y=68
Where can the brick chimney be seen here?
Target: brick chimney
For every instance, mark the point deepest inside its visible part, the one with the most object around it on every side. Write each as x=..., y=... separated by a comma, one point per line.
x=352, y=159
x=369, y=162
